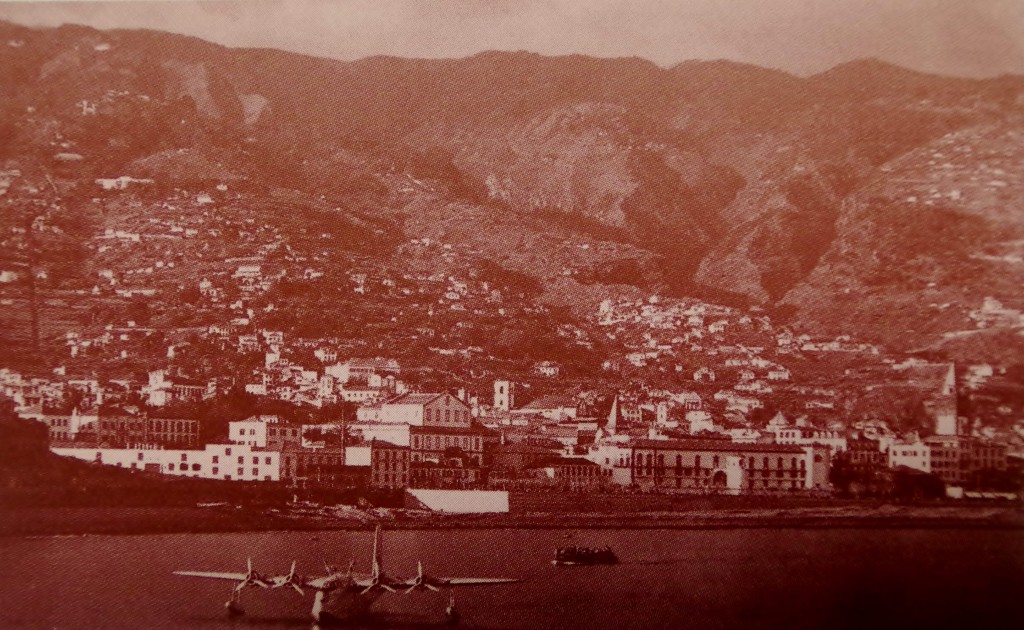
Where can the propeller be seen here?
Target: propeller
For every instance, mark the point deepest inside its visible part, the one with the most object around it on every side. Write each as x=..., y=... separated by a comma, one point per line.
x=422, y=581
x=292, y=579
x=252, y=578
x=378, y=583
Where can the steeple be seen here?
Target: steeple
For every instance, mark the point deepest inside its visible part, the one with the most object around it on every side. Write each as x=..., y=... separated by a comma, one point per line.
x=613, y=417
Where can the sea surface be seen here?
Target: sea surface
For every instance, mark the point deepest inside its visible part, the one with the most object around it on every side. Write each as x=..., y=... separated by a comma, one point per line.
x=730, y=578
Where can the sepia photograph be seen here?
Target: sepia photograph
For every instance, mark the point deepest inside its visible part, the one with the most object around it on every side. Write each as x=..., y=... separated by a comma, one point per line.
x=511, y=314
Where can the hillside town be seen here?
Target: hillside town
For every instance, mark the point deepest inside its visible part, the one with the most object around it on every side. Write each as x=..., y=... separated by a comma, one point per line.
x=202, y=357
x=733, y=419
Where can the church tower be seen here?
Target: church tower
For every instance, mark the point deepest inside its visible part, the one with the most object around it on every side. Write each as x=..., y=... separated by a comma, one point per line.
x=504, y=395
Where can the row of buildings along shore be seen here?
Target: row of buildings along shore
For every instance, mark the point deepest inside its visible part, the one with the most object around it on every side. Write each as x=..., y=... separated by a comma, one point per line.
x=446, y=440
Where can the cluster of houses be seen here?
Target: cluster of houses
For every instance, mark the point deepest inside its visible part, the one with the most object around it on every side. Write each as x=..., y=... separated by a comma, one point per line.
x=406, y=439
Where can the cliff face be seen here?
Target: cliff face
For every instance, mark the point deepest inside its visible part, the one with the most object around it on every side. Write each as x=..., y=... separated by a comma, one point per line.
x=714, y=178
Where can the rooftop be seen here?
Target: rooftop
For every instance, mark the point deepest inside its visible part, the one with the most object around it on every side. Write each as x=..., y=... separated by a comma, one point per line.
x=715, y=445
x=551, y=401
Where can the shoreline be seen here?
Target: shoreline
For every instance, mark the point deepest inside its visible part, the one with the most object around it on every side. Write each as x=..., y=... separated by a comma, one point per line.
x=34, y=523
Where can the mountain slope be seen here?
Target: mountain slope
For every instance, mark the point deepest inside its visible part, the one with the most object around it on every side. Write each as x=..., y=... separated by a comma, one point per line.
x=708, y=178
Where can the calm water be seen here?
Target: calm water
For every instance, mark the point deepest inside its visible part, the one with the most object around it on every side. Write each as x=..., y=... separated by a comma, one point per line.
x=669, y=579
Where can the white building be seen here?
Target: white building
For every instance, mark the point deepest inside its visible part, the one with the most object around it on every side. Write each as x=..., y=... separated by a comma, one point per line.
x=216, y=461
x=912, y=454
x=251, y=431
x=426, y=410
x=800, y=434
x=614, y=454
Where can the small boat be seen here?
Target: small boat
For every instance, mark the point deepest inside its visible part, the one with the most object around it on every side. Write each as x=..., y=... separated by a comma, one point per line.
x=574, y=555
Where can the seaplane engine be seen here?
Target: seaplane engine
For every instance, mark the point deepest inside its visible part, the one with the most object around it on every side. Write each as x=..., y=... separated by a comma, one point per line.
x=423, y=582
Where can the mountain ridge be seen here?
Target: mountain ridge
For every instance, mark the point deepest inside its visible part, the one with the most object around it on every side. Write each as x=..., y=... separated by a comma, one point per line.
x=737, y=180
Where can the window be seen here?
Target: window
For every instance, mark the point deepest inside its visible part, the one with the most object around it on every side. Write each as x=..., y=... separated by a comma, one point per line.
x=196, y=467
x=714, y=461
x=241, y=460
x=140, y=456
x=216, y=459
x=184, y=457
x=227, y=452
x=255, y=472
x=215, y=469
x=255, y=460
x=240, y=472
x=266, y=461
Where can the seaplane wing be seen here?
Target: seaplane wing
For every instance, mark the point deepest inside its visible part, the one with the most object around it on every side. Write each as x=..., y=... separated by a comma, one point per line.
x=213, y=575
x=475, y=581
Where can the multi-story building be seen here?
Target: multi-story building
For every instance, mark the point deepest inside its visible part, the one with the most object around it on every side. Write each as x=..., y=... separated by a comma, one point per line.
x=172, y=432
x=389, y=465
x=68, y=428
x=239, y=462
x=571, y=473
x=912, y=454
x=278, y=434
x=948, y=455
x=800, y=434
x=124, y=431
x=987, y=455
x=308, y=467
x=866, y=454
x=448, y=457
x=425, y=410
x=252, y=431
x=433, y=443
x=688, y=465
x=60, y=428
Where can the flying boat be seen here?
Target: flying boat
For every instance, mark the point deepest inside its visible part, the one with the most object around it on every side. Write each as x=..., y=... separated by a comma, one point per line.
x=336, y=588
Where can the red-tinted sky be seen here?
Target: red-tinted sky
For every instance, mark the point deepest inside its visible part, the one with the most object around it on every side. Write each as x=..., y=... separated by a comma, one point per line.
x=961, y=37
